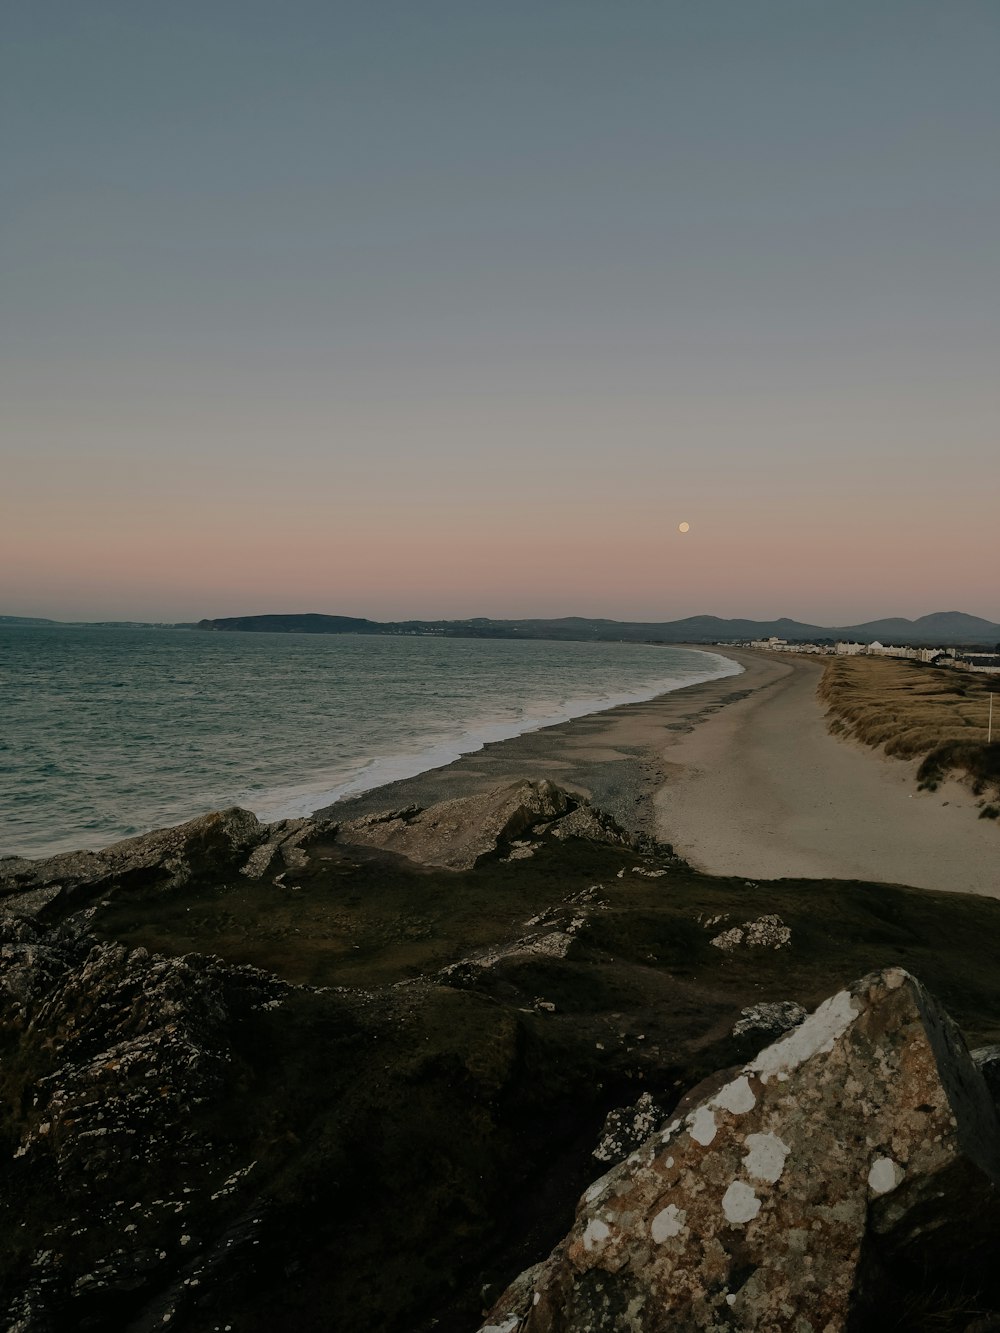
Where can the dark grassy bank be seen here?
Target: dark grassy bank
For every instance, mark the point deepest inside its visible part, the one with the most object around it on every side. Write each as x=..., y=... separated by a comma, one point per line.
x=419, y=1137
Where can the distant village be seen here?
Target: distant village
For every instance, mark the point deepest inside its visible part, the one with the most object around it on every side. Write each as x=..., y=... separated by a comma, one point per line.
x=941, y=657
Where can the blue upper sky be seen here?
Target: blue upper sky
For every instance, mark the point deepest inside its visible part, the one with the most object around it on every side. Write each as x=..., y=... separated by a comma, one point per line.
x=562, y=269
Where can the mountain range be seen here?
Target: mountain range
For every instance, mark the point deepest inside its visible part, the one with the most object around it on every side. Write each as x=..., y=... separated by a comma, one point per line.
x=941, y=628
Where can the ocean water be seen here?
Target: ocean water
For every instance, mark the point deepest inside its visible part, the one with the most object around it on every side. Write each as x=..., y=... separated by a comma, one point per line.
x=106, y=733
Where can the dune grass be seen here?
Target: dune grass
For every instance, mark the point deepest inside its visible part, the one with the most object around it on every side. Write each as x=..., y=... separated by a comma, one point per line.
x=912, y=710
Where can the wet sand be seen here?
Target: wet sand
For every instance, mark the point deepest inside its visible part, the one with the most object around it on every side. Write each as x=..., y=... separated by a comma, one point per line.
x=742, y=776
x=613, y=757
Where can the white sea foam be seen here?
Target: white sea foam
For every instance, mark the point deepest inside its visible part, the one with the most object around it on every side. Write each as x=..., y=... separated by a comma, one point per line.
x=295, y=802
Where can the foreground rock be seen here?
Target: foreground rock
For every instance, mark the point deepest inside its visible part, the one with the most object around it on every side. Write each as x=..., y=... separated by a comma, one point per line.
x=456, y=834
x=855, y=1156
x=112, y=1062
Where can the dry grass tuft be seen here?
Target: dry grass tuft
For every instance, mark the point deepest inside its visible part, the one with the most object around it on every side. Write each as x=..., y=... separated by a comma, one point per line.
x=916, y=711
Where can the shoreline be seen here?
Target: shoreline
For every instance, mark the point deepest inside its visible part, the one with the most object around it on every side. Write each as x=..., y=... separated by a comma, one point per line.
x=738, y=773
x=472, y=742
x=612, y=757
x=742, y=777
x=290, y=772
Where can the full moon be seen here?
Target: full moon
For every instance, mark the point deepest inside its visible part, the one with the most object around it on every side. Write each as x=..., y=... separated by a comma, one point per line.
x=683, y=527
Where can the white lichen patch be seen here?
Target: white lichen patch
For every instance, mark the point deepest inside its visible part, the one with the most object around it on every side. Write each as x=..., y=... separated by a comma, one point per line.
x=702, y=1128
x=596, y=1234
x=740, y=1204
x=595, y=1190
x=816, y=1036
x=670, y=1131
x=736, y=1097
x=668, y=1222
x=509, y=1324
x=765, y=1159
x=885, y=1175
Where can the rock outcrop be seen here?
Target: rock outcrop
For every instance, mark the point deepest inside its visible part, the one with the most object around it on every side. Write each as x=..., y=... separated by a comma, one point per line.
x=456, y=834
x=847, y=1157
x=627, y=1128
x=769, y=1019
x=221, y=843
x=767, y=932
x=112, y=1062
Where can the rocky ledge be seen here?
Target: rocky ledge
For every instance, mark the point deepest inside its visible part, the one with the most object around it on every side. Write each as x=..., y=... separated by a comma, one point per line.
x=309, y=1075
x=454, y=835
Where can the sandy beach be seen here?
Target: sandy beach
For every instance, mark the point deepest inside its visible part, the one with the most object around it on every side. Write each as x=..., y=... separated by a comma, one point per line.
x=763, y=789
x=742, y=776
x=613, y=757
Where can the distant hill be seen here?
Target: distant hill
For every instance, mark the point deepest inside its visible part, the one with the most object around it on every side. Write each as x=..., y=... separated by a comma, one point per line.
x=28, y=621
x=938, y=629
x=308, y=623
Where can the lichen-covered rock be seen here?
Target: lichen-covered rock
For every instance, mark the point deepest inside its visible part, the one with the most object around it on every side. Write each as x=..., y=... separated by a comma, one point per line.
x=557, y=937
x=284, y=846
x=766, y=932
x=221, y=844
x=793, y=1195
x=111, y=1061
x=626, y=1128
x=586, y=821
x=456, y=834
x=769, y=1018
x=171, y=856
x=469, y=971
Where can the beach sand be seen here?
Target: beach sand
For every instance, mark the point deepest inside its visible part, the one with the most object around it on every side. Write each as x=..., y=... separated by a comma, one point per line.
x=763, y=789
x=613, y=757
x=742, y=776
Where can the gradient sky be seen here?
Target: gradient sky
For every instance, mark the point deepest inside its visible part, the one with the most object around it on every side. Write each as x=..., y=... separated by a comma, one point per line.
x=460, y=307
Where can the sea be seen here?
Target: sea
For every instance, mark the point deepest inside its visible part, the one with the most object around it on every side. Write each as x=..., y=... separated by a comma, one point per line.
x=109, y=732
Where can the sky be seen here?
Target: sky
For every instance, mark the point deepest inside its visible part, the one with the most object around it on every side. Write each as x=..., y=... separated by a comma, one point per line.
x=461, y=307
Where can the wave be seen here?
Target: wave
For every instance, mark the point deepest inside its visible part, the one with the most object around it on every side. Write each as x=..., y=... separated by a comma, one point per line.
x=364, y=776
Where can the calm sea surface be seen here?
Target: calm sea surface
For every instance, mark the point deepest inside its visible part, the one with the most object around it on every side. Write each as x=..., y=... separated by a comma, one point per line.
x=109, y=732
